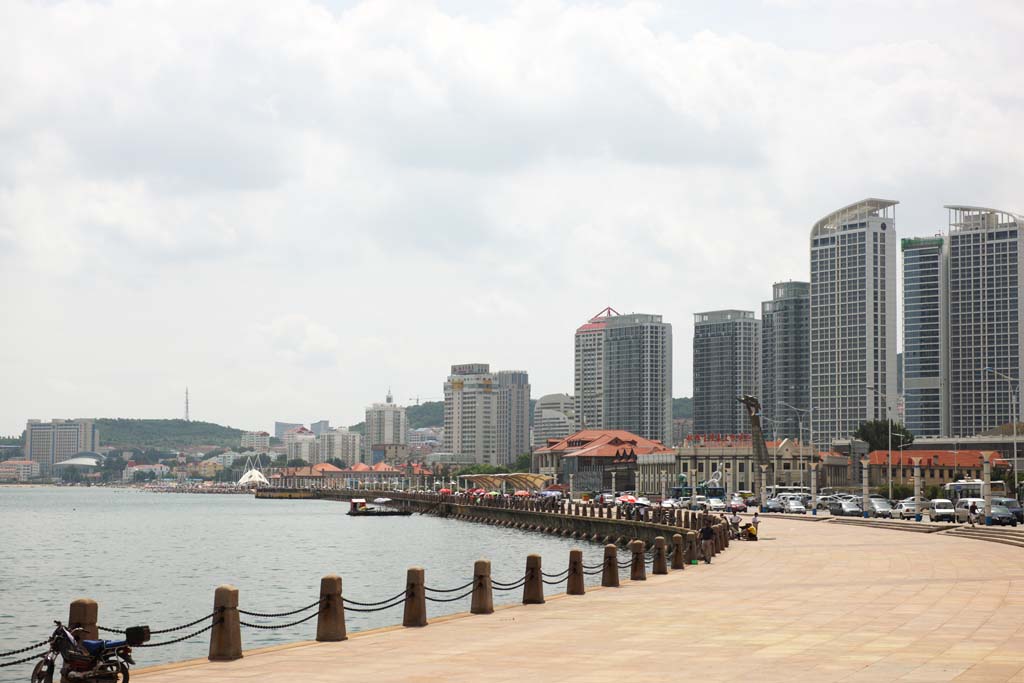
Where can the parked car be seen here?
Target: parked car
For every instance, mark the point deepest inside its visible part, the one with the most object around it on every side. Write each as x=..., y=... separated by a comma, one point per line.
x=737, y=505
x=716, y=505
x=1002, y=516
x=879, y=507
x=1012, y=505
x=794, y=506
x=941, y=510
x=823, y=501
x=605, y=498
x=962, y=510
x=904, y=510
x=670, y=503
x=697, y=502
x=845, y=508
x=774, y=505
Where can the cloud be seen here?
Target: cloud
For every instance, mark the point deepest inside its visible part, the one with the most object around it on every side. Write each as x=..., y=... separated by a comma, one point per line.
x=373, y=190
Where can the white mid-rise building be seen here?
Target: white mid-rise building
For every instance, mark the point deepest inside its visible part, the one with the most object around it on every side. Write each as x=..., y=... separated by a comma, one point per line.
x=853, y=318
x=340, y=444
x=589, y=343
x=471, y=413
x=258, y=441
x=300, y=443
x=553, y=418
x=386, y=424
x=19, y=470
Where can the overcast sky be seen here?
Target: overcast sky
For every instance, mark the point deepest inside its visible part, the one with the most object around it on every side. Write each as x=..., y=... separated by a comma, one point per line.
x=291, y=206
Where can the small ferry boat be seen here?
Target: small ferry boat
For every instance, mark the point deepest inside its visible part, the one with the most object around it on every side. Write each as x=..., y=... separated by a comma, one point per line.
x=360, y=508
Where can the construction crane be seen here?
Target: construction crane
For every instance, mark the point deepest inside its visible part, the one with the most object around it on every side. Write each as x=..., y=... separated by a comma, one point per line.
x=417, y=399
x=757, y=441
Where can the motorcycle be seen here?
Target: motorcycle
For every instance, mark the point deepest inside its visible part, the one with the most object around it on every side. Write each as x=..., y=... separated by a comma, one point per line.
x=88, y=661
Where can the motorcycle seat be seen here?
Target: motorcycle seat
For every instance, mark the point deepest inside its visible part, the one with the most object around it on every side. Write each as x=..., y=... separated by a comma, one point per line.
x=94, y=647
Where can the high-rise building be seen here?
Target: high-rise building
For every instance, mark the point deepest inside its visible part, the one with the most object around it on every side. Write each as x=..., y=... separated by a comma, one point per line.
x=926, y=336
x=320, y=427
x=726, y=362
x=589, y=370
x=637, y=376
x=301, y=444
x=513, y=414
x=853, y=318
x=986, y=274
x=386, y=423
x=258, y=441
x=785, y=359
x=471, y=413
x=339, y=444
x=281, y=428
x=48, y=443
x=553, y=418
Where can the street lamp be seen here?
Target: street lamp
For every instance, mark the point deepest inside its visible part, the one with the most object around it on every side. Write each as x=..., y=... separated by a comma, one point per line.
x=800, y=424
x=775, y=462
x=1014, y=401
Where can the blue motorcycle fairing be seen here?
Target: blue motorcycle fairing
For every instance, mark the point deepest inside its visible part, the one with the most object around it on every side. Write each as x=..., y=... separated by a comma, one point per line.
x=95, y=647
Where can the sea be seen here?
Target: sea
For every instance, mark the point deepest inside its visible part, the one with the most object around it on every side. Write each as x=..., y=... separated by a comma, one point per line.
x=156, y=558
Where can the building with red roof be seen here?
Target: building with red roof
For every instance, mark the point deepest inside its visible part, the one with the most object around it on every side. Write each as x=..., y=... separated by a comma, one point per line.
x=591, y=455
x=937, y=467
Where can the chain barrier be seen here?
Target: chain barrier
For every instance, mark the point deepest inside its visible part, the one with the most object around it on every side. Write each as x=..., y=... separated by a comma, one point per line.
x=555, y=576
x=448, y=590
x=186, y=637
x=23, y=661
x=377, y=609
x=166, y=630
x=279, y=614
x=274, y=627
x=593, y=566
x=457, y=597
x=372, y=604
x=555, y=583
x=594, y=573
x=24, y=649
x=509, y=587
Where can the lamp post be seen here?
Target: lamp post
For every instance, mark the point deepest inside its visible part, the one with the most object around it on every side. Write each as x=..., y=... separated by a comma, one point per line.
x=775, y=463
x=800, y=423
x=1015, y=418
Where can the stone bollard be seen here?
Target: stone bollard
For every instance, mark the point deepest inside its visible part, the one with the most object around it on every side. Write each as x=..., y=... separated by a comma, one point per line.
x=678, y=554
x=330, y=624
x=483, y=594
x=226, y=634
x=660, y=559
x=691, y=547
x=574, y=586
x=638, y=566
x=610, y=570
x=415, y=598
x=533, y=589
x=84, y=613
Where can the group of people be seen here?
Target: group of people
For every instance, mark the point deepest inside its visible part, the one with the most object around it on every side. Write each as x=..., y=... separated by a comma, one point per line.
x=707, y=532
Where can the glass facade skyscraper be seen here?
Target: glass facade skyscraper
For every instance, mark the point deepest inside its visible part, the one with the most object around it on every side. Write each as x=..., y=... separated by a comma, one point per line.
x=925, y=334
x=785, y=359
x=726, y=361
x=638, y=376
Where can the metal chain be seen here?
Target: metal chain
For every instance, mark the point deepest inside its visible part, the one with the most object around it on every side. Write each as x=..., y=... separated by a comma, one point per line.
x=448, y=590
x=186, y=637
x=553, y=576
x=511, y=587
x=594, y=573
x=372, y=604
x=272, y=627
x=166, y=630
x=555, y=583
x=24, y=649
x=22, y=661
x=377, y=609
x=508, y=583
x=279, y=614
x=457, y=597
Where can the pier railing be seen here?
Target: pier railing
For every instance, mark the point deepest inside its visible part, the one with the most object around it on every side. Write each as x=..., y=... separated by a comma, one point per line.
x=228, y=618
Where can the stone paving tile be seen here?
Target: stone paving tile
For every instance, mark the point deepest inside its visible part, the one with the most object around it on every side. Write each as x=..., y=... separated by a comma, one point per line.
x=818, y=602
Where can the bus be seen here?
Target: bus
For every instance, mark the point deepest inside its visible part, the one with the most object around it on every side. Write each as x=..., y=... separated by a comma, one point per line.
x=773, y=490
x=972, y=488
x=685, y=492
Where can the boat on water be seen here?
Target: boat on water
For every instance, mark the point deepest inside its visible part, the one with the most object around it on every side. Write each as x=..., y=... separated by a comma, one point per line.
x=358, y=507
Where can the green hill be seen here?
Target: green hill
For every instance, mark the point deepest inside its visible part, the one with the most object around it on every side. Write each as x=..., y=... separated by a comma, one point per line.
x=164, y=434
x=682, y=407
x=426, y=414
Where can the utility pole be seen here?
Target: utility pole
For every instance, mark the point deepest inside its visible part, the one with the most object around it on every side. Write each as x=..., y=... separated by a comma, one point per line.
x=186, y=405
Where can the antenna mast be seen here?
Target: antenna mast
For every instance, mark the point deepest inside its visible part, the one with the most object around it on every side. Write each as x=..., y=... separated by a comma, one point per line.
x=186, y=405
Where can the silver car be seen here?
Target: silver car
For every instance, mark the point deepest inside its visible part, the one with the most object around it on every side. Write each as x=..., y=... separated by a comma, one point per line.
x=794, y=506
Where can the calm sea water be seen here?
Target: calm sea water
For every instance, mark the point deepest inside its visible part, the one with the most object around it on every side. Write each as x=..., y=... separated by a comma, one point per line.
x=151, y=558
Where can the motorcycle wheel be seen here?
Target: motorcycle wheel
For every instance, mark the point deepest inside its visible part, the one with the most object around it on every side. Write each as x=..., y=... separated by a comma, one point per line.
x=43, y=672
x=124, y=673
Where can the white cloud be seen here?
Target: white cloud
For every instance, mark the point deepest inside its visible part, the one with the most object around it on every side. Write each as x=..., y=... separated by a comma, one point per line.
x=368, y=193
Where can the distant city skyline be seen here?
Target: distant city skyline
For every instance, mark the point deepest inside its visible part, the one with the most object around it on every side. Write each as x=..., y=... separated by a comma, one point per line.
x=289, y=238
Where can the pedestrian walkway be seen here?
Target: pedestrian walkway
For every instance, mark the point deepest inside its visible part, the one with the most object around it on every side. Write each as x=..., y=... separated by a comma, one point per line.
x=809, y=602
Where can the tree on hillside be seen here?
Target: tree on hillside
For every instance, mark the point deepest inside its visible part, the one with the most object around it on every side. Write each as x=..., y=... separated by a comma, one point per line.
x=876, y=434
x=337, y=462
x=297, y=462
x=522, y=463
x=482, y=469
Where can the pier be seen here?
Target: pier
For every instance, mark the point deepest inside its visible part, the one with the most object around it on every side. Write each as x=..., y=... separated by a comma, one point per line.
x=814, y=601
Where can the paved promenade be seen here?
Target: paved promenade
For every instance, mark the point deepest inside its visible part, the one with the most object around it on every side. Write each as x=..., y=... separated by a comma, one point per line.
x=811, y=601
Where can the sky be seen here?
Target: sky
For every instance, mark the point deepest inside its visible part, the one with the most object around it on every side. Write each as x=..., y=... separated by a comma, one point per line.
x=293, y=207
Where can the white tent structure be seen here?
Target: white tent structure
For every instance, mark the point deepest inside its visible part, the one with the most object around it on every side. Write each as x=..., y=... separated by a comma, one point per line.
x=253, y=476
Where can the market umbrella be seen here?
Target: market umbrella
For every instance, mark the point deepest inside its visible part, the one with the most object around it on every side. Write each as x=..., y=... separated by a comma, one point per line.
x=493, y=493
x=521, y=493
x=381, y=501
x=626, y=499
x=445, y=491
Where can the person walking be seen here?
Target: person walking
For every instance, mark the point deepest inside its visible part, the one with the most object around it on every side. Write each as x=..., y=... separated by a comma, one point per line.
x=707, y=540
x=972, y=513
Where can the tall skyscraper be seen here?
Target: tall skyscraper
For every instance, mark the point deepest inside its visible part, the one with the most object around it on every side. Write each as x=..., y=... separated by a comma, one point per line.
x=926, y=335
x=637, y=376
x=282, y=428
x=985, y=310
x=853, y=318
x=513, y=414
x=386, y=423
x=589, y=366
x=48, y=443
x=553, y=418
x=785, y=359
x=320, y=427
x=726, y=362
x=471, y=413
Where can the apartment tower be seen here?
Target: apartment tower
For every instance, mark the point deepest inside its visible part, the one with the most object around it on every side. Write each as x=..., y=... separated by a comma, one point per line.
x=785, y=391
x=513, y=414
x=589, y=371
x=637, y=376
x=386, y=423
x=726, y=361
x=926, y=336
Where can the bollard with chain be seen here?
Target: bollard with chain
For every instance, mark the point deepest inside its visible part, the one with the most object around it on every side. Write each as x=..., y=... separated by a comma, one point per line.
x=638, y=565
x=415, y=599
x=610, y=571
x=330, y=624
x=575, y=585
x=483, y=595
x=226, y=634
x=533, y=588
x=660, y=559
x=84, y=613
x=678, y=556
x=691, y=547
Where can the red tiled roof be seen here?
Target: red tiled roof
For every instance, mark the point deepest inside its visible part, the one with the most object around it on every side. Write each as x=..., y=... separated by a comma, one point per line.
x=326, y=467
x=383, y=467
x=933, y=458
x=605, y=443
x=359, y=467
